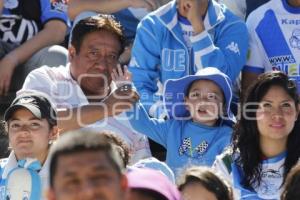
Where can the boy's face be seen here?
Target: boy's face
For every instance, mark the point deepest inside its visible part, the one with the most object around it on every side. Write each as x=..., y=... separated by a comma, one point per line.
x=204, y=102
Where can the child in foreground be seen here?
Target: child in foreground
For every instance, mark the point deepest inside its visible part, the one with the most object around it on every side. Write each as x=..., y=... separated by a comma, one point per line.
x=200, y=121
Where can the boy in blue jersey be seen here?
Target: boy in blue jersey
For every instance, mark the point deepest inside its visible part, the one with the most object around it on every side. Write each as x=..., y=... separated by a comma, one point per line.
x=201, y=124
x=180, y=38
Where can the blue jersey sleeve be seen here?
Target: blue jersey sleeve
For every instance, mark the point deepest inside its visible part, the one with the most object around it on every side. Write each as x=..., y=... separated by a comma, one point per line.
x=227, y=52
x=145, y=62
x=51, y=10
x=156, y=129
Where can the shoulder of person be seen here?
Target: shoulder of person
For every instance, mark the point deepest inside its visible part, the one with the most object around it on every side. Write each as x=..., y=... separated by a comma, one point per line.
x=226, y=129
x=163, y=11
x=53, y=73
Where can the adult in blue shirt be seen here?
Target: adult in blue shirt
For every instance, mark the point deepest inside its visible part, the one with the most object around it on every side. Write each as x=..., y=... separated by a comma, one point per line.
x=181, y=38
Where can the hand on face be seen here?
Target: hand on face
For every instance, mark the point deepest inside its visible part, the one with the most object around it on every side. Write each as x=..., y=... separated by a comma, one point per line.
x=193, y=10
x=191, y=7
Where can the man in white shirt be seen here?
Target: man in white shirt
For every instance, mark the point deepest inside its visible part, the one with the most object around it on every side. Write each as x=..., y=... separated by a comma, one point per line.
x=83, y=90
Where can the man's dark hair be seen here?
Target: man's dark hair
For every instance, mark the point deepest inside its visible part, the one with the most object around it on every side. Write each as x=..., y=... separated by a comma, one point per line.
x=94, y=24
x=83, y=141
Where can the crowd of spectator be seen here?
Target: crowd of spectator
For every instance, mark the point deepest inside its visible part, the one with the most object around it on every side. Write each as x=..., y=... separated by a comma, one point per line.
x=149, y=99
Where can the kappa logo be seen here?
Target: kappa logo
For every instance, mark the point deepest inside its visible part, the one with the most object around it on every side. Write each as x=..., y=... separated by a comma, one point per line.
x=290, y=21
x=233, y=47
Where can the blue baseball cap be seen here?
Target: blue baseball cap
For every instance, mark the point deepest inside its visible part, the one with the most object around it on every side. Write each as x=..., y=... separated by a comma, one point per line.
x=176, y=89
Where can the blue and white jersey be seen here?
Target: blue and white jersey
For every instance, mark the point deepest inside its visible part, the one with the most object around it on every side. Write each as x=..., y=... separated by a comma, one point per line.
x=3, y=163
x=160, y=51
x=10, y=163
x=274, y=33
x=272, y=177
x=21, y=20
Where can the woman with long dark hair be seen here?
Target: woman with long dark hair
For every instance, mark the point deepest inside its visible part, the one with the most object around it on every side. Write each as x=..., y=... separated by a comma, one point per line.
x=266, y=139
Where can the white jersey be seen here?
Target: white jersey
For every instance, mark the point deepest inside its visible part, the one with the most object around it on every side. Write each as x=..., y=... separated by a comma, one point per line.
x=65, y=92
x=274, y=39
x=272, y=177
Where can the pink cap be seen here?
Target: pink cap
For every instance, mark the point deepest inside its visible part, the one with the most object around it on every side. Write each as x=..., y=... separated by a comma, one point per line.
x=153, y=180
